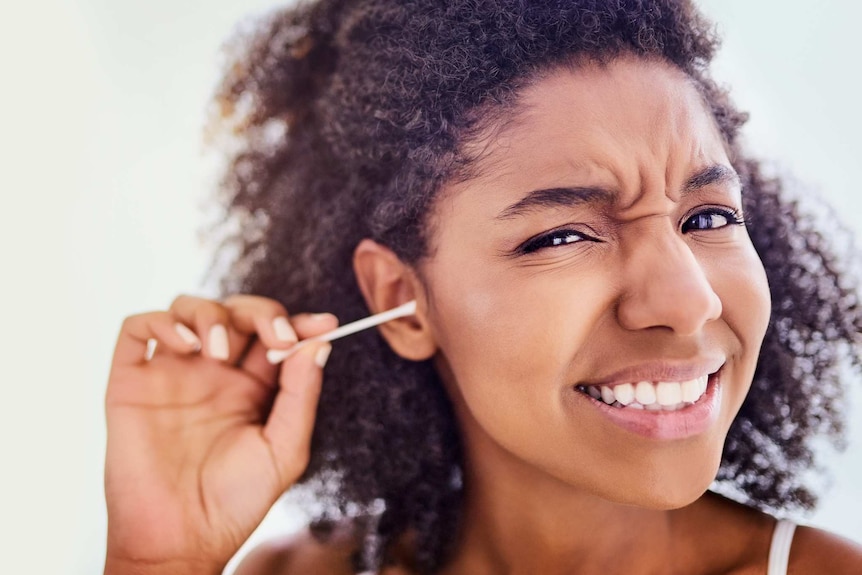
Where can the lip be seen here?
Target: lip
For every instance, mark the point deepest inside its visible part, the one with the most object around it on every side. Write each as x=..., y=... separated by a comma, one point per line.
x=662, y=371
x=687, y=422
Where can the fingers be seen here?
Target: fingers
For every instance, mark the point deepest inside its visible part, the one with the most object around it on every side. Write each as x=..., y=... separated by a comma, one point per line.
x=304, y=325
x=139, y=329
x=239, y=330
x=309, y=325
x=243, y=326
x=211, y=322
x=290, y=424
x=274, y=328
x=226, y=328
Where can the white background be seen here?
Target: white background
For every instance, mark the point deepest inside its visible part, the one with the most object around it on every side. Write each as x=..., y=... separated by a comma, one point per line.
x=101, y=111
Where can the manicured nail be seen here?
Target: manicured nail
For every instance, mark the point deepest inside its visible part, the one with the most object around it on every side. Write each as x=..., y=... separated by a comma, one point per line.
x=188, y=335
x=283, y=331
x=322, y=355
x=320, y=316
x=152, y=344
x=218, y=342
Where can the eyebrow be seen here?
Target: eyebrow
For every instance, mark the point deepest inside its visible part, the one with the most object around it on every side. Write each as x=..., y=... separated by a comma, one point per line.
x=715, y=174
x=567, y=197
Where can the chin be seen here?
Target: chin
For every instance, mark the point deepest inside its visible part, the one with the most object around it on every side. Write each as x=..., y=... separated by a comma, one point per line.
x=661, y=482
x=663, y=501
x=666, y=489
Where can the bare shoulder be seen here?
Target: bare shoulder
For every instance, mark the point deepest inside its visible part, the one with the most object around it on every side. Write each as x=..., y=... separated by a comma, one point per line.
x=302, y=553
x=741, y=539
x=817, y=551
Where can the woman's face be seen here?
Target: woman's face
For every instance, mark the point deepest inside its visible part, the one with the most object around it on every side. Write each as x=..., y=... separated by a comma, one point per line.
x=599, y=243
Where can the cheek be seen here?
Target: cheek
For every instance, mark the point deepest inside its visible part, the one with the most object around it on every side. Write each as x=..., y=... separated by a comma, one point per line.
x=487, y=326
x=746, y=302
x=509, y=337
x=746, y=305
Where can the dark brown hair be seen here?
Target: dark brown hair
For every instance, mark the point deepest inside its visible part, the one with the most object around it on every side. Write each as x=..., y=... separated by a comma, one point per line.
x=351, y=115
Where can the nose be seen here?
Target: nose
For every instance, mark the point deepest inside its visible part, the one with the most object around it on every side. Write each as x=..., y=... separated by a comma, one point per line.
x=666, y=286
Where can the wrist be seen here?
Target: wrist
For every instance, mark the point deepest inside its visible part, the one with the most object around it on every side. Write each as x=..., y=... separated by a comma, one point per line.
x=129, y=566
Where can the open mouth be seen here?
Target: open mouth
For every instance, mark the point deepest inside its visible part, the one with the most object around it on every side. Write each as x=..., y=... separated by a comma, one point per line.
x=659, y=410
x=650, y=395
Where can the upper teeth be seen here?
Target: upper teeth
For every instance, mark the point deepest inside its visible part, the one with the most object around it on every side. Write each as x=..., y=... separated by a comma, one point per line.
x=659, y=394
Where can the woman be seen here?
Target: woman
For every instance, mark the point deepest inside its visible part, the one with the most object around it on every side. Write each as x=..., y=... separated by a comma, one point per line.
x=614, y=308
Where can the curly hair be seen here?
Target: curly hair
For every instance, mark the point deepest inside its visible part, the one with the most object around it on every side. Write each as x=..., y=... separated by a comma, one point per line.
x=350, y=116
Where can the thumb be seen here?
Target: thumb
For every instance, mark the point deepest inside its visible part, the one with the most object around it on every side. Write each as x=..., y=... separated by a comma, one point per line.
x=291, y=422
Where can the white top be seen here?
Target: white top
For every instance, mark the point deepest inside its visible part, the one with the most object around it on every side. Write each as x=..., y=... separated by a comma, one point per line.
x=779, y=550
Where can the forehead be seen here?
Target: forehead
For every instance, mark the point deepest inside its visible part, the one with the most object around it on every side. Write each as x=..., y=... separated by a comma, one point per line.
x=613, y=124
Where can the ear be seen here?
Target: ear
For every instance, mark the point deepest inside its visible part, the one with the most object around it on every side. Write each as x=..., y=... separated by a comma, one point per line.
x=387, y=282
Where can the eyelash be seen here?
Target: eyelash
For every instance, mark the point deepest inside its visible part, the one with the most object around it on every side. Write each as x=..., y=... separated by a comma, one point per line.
x=733, y=217
x=558, y=237
x=550, y=240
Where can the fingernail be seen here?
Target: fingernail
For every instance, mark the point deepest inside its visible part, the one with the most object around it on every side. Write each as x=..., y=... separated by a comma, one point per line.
x=218, y=342
x=283, y=330
x=275, y=356
x=188, y=335
x=322, y=355
x=152, y=344
x=320, y=316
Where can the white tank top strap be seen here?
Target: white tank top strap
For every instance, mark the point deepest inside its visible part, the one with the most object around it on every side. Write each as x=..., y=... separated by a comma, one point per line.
x=779, y=550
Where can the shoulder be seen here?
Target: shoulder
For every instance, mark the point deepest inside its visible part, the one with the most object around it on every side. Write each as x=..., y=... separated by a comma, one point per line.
x=302, y=553
x=740, y=541
x=817, y=551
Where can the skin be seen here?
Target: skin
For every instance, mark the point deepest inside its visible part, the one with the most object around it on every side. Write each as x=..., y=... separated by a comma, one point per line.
x=519, y=331
x=552, y=486
x=204, y=436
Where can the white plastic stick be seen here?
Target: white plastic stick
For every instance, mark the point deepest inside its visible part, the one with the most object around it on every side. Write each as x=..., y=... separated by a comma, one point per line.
x=275, y=356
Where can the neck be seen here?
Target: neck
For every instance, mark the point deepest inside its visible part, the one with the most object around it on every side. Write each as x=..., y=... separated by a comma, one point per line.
x=518, y=519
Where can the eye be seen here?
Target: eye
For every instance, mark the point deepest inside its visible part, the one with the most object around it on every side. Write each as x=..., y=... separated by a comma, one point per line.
x=711, y=219
x=552, y=239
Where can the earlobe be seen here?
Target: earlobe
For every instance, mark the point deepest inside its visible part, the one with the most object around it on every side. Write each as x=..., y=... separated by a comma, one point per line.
x=387, y=282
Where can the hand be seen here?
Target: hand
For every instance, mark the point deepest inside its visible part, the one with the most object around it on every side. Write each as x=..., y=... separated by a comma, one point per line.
x=207, y=434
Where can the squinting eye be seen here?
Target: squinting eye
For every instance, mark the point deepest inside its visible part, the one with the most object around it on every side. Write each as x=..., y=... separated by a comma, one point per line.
x=713, y=218
x=552, y=239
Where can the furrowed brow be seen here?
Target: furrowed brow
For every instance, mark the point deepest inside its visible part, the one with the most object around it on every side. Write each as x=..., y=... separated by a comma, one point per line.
x=567, y=197
x=556, y=198
x=715, y=174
